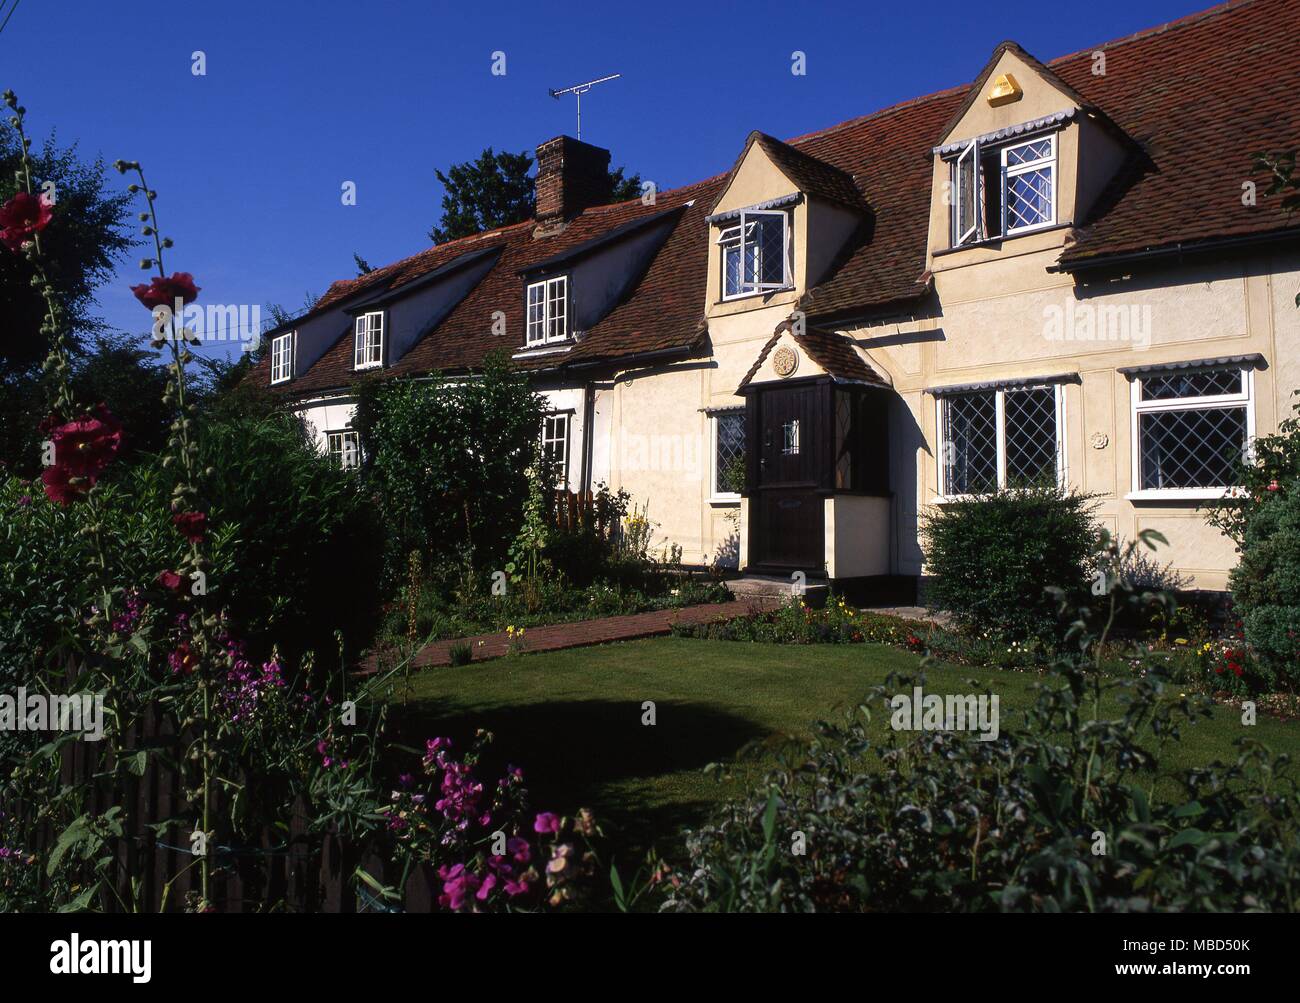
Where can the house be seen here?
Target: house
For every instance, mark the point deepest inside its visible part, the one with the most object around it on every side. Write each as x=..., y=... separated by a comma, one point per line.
x=1065, y=270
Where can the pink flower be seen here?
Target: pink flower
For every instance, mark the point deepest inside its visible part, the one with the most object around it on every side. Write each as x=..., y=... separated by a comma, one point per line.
x=191, y=525
x=170, y=580
x=22, y=217
x=164, y=292
x=1273, y=485
x=546, y=822
x=457, y=885
x=519, y=849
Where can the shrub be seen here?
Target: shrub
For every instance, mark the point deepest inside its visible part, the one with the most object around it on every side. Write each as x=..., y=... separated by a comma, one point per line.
x=894, y=820
x=304, y=526
x=447, y=460
x=1263, y=519
x=992, y=558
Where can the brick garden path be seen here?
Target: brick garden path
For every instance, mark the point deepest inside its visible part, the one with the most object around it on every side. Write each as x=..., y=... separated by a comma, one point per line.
x=582, y=633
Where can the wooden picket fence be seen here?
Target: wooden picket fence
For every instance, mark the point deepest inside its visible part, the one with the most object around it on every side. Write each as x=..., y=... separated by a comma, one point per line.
x=572, y=510
x=289, y=871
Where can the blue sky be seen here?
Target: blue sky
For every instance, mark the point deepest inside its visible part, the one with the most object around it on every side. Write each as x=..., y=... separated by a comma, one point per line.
x=300, y=97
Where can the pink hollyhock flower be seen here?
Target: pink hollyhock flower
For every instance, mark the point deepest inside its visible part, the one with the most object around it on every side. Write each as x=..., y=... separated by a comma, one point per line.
x=22, y=217
x=59, y=487
x=183, y=661
x=170, y=580
x=86, y=445
x=546, y=822
x=191, y=525
x=165, y=292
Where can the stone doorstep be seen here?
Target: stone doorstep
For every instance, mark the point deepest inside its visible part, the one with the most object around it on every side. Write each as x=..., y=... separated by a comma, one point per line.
x=776, y=587
x=582, y=633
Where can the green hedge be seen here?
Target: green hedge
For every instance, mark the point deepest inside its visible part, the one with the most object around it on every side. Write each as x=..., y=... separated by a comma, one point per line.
x=992, y=558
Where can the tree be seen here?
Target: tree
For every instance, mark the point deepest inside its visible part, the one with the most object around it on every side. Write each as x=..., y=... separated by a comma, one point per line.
x=82, y=245
x=496, y=190
x=1283, y=180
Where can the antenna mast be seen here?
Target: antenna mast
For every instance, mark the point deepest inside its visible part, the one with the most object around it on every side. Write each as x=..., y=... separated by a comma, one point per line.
x=577, y=90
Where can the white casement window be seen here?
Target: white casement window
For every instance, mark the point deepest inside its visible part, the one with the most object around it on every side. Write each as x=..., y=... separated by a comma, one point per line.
x=548, y=311
x=555, y=447
x=1192, y=429
x=345, y=448
x=999, y=438
x=756, y=255
x=1003, y=189
x=282, y=357
x=728, y=454
x=369, y=344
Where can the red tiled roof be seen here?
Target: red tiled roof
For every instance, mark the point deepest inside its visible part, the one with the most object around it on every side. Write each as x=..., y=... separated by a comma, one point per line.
x=1196, y=97
x=1200, y=96
x=829, y=349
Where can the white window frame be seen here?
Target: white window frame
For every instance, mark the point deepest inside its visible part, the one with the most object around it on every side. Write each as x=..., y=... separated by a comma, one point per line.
x=344, y=435
x=1027, y=168
x=368, y=341
x=971, y=155
x=561, y=468
x=554, y=301
x=283, y=349
x=999, y=401
x=737, y=235
x=714, y=422
x=1246, y=398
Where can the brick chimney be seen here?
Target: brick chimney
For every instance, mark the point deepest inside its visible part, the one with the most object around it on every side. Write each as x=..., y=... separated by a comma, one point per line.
x=571, y=176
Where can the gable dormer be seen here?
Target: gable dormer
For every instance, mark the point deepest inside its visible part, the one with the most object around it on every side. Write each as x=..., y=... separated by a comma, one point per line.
x=1021, y=162
x=777, y=227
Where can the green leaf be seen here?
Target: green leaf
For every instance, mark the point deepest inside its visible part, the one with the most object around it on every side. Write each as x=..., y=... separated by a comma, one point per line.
x=82, y=902
x=68, y=838
x=1188, y=837
x=137, y=763
x=620, y=899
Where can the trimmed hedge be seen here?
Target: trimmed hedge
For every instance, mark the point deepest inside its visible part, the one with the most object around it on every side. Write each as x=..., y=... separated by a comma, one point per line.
x=993, y=558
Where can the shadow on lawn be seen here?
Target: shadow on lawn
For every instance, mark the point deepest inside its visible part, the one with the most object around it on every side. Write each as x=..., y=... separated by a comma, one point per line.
x=574, y=752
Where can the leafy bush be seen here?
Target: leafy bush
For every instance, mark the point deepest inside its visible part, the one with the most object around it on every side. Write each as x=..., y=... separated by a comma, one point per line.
x=992, y=558
x=304, y=527
x=1059, y=814
x=447, y=460
x=1264, y=521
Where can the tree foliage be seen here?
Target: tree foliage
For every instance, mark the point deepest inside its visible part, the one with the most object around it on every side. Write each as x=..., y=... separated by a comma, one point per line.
x=82, y=247
x=447, y=459
x=496, y=190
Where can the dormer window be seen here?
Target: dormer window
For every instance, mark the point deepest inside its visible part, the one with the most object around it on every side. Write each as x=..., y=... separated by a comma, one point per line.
x=756, y=254
x=1003, y=189
x=282, y=357
x=548, y=311
x=369, y=345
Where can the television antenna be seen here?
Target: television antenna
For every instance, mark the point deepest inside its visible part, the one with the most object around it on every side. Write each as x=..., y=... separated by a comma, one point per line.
x=577, y=90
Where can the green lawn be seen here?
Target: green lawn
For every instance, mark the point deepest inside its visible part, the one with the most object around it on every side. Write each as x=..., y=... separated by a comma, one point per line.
x=572, y=719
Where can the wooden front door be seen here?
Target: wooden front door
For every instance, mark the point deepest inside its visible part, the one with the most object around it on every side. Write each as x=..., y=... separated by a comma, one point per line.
x=786, y=514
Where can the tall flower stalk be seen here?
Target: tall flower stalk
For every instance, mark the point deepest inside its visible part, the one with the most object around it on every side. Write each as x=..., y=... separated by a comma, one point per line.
x=166, y=296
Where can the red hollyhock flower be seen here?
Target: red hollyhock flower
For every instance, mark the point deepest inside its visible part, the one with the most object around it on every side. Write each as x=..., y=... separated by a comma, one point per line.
x=191, y=525
x=170, y=580
x=22, y=217
x=164, y=292
x=86, y=445
x=59, y=487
